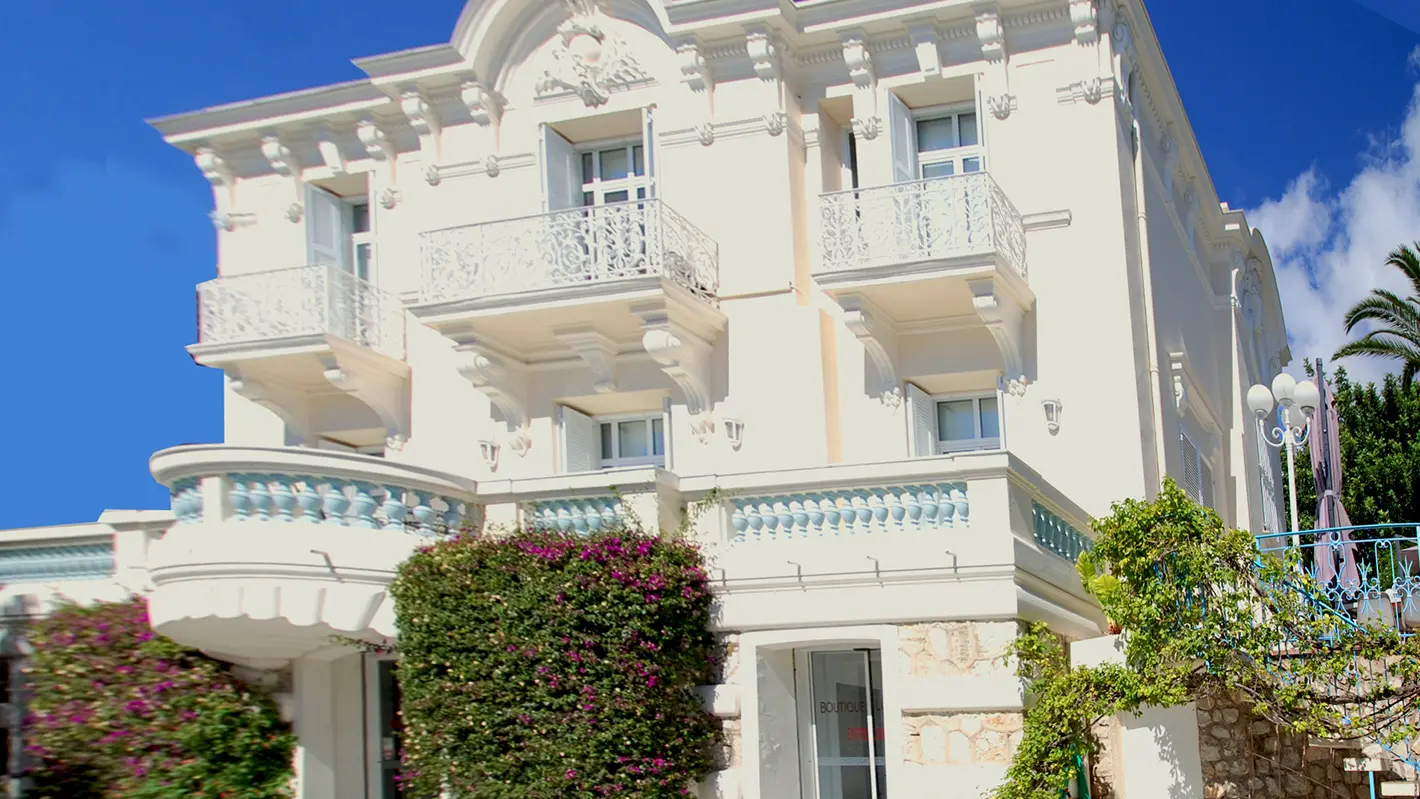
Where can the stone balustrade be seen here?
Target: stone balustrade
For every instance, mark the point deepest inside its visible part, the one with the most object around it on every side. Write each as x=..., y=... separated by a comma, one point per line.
x=580, y=515
x=1056, y=535
x=864, y=511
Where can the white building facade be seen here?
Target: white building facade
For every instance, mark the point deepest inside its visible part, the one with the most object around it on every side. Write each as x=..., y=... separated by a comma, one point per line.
x=910, y=290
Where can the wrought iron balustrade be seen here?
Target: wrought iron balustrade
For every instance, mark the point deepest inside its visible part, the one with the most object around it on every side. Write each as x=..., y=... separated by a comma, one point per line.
x=642, y=238
x=1364, y=574
x=304, y=301
x=921, y=220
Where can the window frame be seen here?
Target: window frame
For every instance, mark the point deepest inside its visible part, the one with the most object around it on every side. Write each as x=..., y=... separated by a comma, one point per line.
x=804, y=698
x=650, y=418
x=956, y=155
x=365, y=238
x=978, y=444
x=637, y=187
x=374, y=757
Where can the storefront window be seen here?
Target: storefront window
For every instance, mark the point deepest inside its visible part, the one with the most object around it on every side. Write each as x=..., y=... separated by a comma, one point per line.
x=847, y=724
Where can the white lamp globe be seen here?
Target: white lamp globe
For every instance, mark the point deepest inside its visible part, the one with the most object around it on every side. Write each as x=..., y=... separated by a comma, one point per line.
x=1307, y=396
x=1284, y=387
x=1259, y=399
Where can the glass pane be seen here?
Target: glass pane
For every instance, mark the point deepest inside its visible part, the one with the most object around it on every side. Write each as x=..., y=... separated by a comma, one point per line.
x=614, y=165
x=658, y=437
x=391, y=729
x=842, y=729
x=956, y=420
x=360, y=218
x=941, y=169
x=990, y=418
x=364, y=255
x=935, y=134
x=589, y=172
x=638, y=160
x=968, y=130
x=875, y=681
x=632, y=440
x=588, y=198
x=969, y=165
x=607, y=452
x=615, y=197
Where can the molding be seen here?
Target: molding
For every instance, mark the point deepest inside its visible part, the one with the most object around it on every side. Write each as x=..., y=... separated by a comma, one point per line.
x=879, y=336
x=505, y=383
x=329, y=150
x=682, y=354
x=1085, y=16
x=288, y=404
x=924, y=37
x=1090, y=90
x=383, y=393
x=1047, y=220
x=727, y=130
x=491, y=165
x=569, y=70
x=867, y=122
x=1002, y=314
x=695, y=73
x=283, y=162
x=596, y=351
x=764, y=50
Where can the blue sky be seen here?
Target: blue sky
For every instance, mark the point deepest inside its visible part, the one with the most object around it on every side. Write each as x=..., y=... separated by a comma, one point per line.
x=1301, y=107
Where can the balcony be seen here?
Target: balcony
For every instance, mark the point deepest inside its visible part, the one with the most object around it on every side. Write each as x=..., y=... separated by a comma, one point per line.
x=275, y=550
x=289, y=338
x=913, y=254
x=593, y=284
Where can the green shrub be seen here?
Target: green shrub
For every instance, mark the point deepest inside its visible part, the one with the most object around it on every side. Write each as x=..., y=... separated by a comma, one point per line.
x=119, y=712
x=546, y=665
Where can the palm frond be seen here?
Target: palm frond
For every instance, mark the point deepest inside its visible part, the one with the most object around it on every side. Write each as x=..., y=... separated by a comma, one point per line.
x=1407, y=261
x=1383, y=306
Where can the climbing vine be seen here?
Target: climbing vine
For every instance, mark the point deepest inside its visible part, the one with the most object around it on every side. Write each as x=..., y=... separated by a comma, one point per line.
x=1203, y=611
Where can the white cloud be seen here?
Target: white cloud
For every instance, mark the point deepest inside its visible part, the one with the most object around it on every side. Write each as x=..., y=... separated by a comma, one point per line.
x=1329, y=247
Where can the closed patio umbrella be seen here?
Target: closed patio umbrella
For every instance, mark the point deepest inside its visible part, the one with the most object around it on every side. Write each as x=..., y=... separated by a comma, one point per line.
x=1325, y=451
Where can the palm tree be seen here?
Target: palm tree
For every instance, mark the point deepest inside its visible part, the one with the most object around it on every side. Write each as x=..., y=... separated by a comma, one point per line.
x=1397, y=318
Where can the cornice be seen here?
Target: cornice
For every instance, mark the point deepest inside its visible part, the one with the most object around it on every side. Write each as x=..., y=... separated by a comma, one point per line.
x=249, y=118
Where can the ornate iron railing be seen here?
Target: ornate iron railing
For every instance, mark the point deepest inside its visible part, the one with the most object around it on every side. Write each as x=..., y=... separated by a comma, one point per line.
x=304, y=301
x=1369, y=574
x=922, y=220
x=567, y=248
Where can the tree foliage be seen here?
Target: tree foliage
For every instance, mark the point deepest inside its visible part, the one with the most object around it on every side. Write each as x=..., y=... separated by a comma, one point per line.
x=119, y=712
x=1394, y=319
x=1203, y=610
x=548, y=665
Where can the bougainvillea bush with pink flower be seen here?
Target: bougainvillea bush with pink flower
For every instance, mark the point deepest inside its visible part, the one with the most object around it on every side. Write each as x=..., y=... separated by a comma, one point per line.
x=118, y=712
x=544, y=665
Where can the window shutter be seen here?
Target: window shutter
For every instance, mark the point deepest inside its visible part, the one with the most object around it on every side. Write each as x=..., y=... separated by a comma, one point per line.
x=1189, y=455
x=666, y=430
x=581, y=441
x=648, y=145
x=903, y=130
x=327, y=229
x=561, y=172
x=921, y=423
x=1205, y=480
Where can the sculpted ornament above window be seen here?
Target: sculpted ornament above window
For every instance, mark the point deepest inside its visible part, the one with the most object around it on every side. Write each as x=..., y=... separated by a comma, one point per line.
x=589, y=60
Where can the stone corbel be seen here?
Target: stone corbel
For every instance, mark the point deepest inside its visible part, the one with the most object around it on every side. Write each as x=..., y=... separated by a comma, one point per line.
x=1003, y=315
x=224, y=184
x=682, y=355
x=1084, y=14
x=485, y=107
x=867, y=122
x=505, y=383
x=385, y=394
x=330, y=150
x=696, y=75
x=876, y=332
x=288, y=404
x=378, y=147
x=1178, y=369
x=764, y=55
x=284, y=163
x=924, y=38
x=424, y=119
x=597, y=351
x=1169, y=146
x=991, y=34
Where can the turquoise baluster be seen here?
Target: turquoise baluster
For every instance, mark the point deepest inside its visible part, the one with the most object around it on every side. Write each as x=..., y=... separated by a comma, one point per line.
x=785, y=516
x=897, y=506
x=813, y=509
x=946, y=509
x=237, y=495
x=260, y=497
x=880, y=509
x=913, y=507
x=309, y=500
x=611, y=513
x=962, y=508
x=394, y=507
x=831, y=514
x=423, y=512
x=282, y=498
x=335, y=503
x=564, y=517
x=756, y=521
x=194, y=500
x=770, y=514
x=577, y=512
x=593, y=515
x=738, y=521
x=863, y=505
x=177, y=496
x=927, y=498
x=362, y=507
x=453, y=516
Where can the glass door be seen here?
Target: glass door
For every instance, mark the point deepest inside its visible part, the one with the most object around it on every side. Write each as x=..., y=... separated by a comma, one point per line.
x=384, y=728
x=846, y=725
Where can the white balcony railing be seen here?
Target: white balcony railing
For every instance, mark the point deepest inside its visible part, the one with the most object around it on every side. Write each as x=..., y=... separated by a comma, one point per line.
x=304, y=301
x=568, y=248
x=922, y=220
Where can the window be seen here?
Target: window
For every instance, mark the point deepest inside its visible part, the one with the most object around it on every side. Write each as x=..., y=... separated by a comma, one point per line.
x=1197, y=474
x=607, y=442
x=339, y=232
x=362, y=239
x=845, y=724
x=632, y=441
x=614, y=174
x=373, y=450
x=960, y=423
x=948, y=144
x=619, y=165
x=384, y=728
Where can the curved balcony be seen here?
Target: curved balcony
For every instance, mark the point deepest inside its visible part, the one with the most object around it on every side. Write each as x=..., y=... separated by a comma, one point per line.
x=276, y=550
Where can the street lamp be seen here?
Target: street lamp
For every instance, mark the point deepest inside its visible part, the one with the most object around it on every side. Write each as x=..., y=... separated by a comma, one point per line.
x=1298, y=401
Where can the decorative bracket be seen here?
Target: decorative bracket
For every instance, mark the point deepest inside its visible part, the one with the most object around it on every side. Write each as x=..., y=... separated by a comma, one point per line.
x=597, y=351
x=383, y=393
x=682, y=355
x=1085, y=16
x=696, y=75
x=924, y=38
x=1181, y=384
x=590, y=61
x=377, y=143
x=288, y=405
x=484, y=105
x=991, y=34
x=504, y=382
x=284, y=163
x=867, y=122
x=424, y=118
x=329, y=150
x=1169, y=145
x=219, y=173
x=879, y=338
x=1003, y=315
x=764, y=55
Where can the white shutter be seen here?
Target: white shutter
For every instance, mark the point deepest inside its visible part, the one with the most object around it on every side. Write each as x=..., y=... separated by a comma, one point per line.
x=1188, y=453
x=648, y=145
x=666, y=431
x=902, y=129
x=921, y=423
x=1205, y=480
x=561, y=172
x=327, y=229
x=581, y=441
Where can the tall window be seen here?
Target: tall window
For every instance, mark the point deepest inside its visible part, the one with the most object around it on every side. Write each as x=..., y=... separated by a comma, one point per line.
x=632, y=441
x=948, y=144
x=384, y=727
x=362, y=240
x=614, y=174
x=846, y=725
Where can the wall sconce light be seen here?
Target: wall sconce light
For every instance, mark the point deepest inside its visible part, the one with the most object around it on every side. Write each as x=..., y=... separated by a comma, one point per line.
x=490, y=454
x=1053, y=409
x=735, y=432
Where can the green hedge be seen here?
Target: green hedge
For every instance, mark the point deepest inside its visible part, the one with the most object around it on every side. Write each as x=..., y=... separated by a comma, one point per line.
x=118, y=712
x=545, y=665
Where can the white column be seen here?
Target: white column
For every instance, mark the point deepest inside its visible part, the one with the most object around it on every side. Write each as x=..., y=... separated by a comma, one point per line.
x=315, y=730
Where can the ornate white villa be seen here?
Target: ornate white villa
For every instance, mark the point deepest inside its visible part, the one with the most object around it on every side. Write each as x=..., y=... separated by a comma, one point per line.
x=911, y=289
